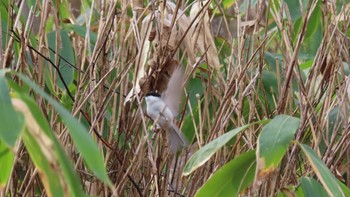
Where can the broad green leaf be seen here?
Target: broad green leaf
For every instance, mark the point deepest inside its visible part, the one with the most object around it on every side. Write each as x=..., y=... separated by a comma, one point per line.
x=81, y=31
x=188, y=125
x=296, y=29
x=11, y=122
x=66, y=166
x=294, y=8
x=6, y=164
x=46, y=169
x=50, y=84
x=346, y=67
x=334, y=126
x=312, y=24
x=270, y=83
x=273, y=142
x=195, y=87
x=346, y=189
x=232, y=178
x=65, y=50
x=3, y=12
x=228, y=3
x=299, y=192
x=312, y=188
x=314, y=21
x=83, y=141
x=325, y=176
x=204, y=154
x=311, y=44
x=86, y=13
x=41, y=151
x=334, y=119
x=340, y=4
x=64, y=9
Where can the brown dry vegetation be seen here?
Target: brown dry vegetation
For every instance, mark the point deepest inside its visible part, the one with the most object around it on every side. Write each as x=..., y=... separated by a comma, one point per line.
x=241, y=66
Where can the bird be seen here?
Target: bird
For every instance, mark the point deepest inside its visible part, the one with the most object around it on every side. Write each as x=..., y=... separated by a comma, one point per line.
x=163, y=108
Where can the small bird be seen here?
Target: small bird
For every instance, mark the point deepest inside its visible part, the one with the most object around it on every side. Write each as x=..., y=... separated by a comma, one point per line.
x=163, y=109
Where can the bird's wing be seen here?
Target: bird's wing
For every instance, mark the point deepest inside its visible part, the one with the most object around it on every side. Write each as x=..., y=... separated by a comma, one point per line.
x=173, y=93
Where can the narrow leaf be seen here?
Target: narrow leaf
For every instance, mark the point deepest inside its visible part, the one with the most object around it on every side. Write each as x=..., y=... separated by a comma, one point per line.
x=326, y=177
x=6, y=164
x=346, y=189
x=312, y=188
x=66, y=166
x=41, y=151
x=66, y=56
x=204, y=154
x=85, y=144
x=46, y=169
x=232, y=178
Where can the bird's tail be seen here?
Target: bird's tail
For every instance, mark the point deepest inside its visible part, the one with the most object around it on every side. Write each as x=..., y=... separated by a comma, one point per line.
x=176, y=139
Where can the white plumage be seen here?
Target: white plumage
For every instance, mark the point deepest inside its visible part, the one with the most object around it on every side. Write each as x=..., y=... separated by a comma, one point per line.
x=164, y=108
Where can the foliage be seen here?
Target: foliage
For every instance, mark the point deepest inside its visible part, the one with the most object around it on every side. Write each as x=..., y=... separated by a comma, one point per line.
x=265, y=106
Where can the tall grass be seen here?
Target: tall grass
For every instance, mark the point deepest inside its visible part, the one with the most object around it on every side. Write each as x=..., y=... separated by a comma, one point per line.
x=245, y=63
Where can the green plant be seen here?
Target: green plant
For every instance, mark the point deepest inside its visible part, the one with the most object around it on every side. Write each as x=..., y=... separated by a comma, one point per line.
x=265, y=112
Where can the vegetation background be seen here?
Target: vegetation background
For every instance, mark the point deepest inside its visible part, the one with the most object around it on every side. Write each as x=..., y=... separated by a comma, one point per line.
x=265, y=105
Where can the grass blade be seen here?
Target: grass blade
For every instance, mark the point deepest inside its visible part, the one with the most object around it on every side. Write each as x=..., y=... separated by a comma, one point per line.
x=232, y=178
x=326, y=177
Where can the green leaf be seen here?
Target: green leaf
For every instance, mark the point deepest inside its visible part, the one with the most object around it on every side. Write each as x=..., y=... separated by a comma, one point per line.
x=314, y=20
x=311, y=44
x=70, y=175
x=274, y=140
x=346, y=67
x=195, y=87
x=325, y=176
x=232, y=178
x=47, y=173
x=294, y=8
x=306, y=64
x=3, y=12
x=188, y=125
x=296, y=29
x=11, y=122
x=224, y=46
x=270, y=83
x=6, y=164
x=3, y=24
x=272, y=60
x=312, y=188
x=65, y=50
x=81, y=31
x=227, y=3
x=64, y=9
x=204, y=154
x=85, y=144
x=345, y=188
x=334, y=120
